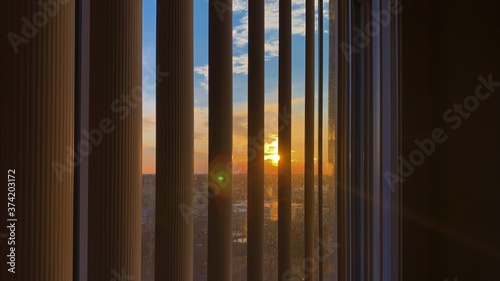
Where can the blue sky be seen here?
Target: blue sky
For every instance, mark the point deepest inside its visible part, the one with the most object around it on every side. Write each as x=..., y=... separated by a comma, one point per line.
x=240, y=60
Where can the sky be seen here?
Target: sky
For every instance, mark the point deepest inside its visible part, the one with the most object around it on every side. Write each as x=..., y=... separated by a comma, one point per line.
x=240, y=67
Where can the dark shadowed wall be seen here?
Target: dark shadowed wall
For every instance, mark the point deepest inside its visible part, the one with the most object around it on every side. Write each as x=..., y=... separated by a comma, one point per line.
x=452, y=200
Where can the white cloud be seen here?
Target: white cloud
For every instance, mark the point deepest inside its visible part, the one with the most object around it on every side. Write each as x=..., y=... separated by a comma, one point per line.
x=201, y=114
x=203, y=70
x=240, y=64
x=240, y=32
x=240, y=5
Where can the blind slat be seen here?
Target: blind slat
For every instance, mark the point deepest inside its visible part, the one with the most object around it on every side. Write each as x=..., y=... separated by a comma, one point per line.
x=174, y=145
x=309, y=214
x=255, y=219
x=115, y=175
x=320, y=138
x=220, y=102
x=284, y=138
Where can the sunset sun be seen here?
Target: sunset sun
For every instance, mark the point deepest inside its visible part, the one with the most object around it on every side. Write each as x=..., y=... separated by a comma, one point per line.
x=271, y=151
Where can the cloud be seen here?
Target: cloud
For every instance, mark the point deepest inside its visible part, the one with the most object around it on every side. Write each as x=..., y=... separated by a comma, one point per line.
x=240, y=5
x=240, y=32
x=148, y=106
x=148, y=67
x=240, y=64
x=199, y=136
x=203, y=70
x=149, y=130
x=200, y=114
x=148, y=122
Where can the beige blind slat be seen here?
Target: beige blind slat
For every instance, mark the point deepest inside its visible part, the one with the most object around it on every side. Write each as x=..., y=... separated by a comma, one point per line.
x=309, y=213
x=174, y=145
x=284, y=138
x=320, y=138
x=220, y=102
x=115, y=176
x=255, y=215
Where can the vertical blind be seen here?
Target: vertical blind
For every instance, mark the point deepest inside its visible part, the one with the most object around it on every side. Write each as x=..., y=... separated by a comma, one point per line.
x=368, y=135
x=309, y=200
x=320, y=140
x=37, y=110
x=174, y=135
x=256, y=69
x=114, y=177
x=364, y=87
x=220, y=143
x=284, y=138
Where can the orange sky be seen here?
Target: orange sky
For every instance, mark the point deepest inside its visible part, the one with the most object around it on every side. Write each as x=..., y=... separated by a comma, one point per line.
x=239, y=139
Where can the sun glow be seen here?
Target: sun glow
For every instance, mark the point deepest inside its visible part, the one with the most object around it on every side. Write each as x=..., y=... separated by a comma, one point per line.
x=271, y=151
